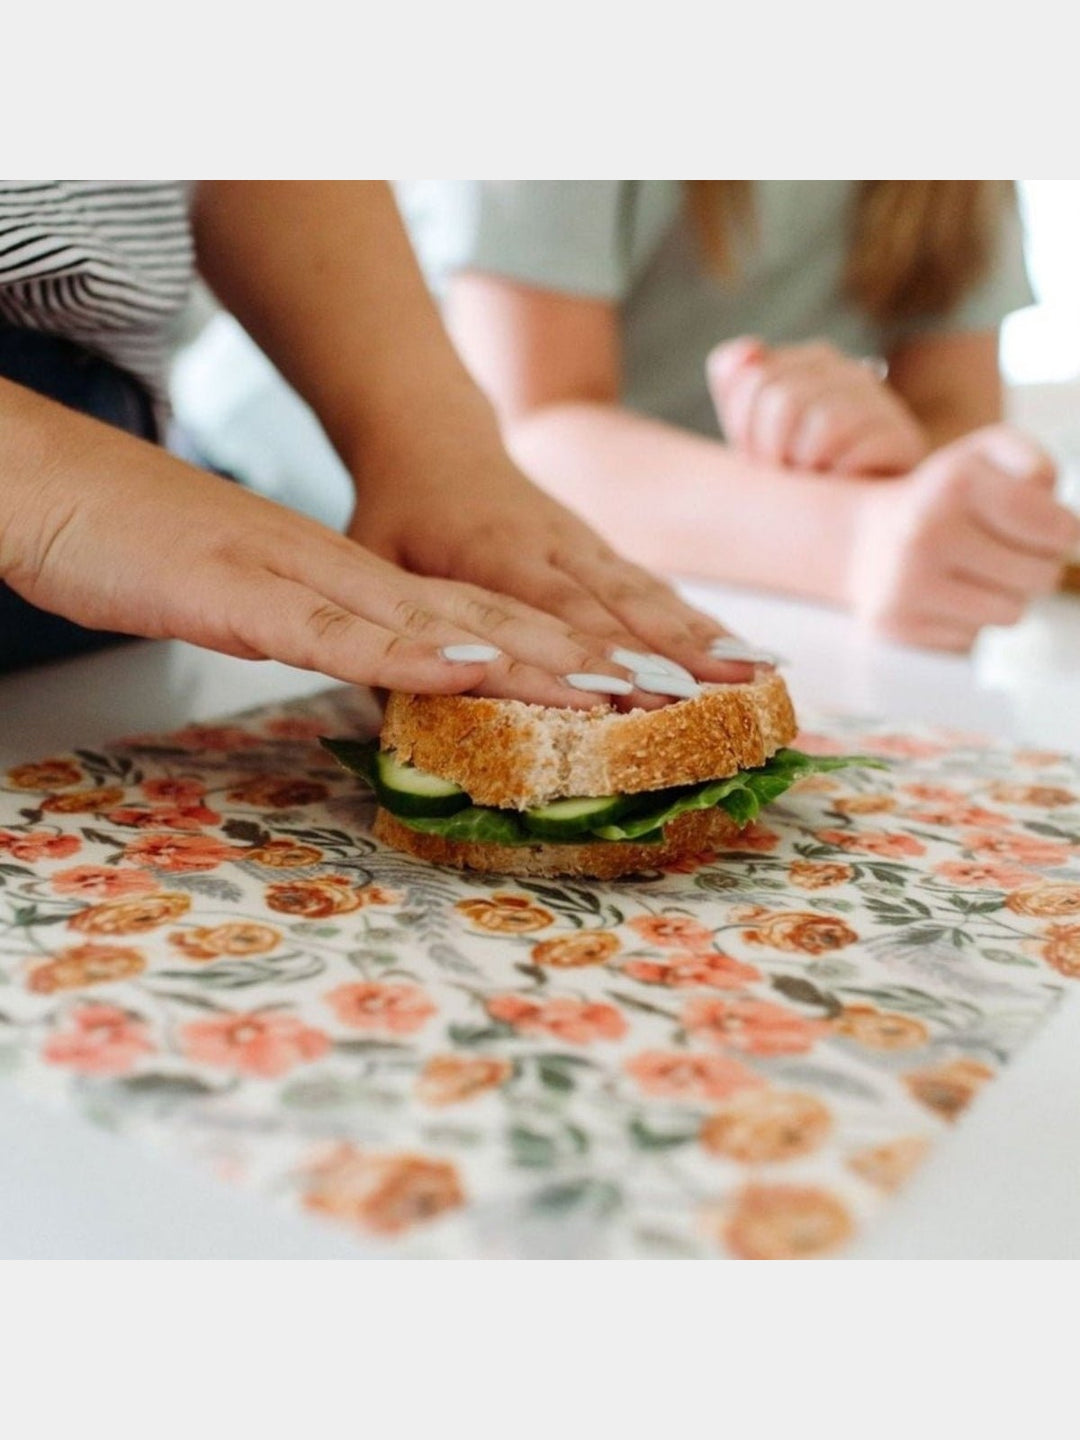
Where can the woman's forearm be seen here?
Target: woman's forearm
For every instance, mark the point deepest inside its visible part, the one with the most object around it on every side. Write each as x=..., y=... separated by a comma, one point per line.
x=323, y=277
x=688, y=505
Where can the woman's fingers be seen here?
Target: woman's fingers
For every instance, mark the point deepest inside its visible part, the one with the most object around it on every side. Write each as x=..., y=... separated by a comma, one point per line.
x=657, y=621
x=537, y=649
x=281, y=619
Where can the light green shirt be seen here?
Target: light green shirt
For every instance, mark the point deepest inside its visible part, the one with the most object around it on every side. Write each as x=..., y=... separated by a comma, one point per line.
x=632, y=243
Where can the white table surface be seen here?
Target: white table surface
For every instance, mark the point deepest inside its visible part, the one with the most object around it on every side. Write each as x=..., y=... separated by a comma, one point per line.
x=1005, y=1183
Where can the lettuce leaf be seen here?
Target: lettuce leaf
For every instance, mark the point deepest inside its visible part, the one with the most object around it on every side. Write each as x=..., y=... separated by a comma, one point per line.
x=743, y=796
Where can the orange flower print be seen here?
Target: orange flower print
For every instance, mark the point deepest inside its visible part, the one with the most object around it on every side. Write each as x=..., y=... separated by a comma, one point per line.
x=889, y=1165
x=880, y=1029
x=453, y=1079
x=378, y=895
x=105, y=1041
x=567, y=952
x=948, y=1089
x=864, y=804
x=39, y=845
x=262, y=1044
x=234, y=937
x=181, y=791
x=295, y=727
x=755, y=1026
x=815, y=785
x=818, y=875
x=1048, y=900
x=386, y=1194
x=1042, y=797
x=678, y=931
x=103, y=882
x=1024, y=849
x=45, y=775
x=681, y=1075
x=754, y=839
x=284, y=854
x=164, y=817
x=79, y=802
x=814, y=744
x=179, y=854
x=983, y=874
x=786, y=1222
x=801, y=931
x=903, y=747
x=505, y=914
x=213, y=737
x=936, y=794
x=889, y=844
x=131, y=917
x=1062, y=950
x=711, y=970
x=578, y=1022
x=1038, y=759
x=393, y=1009
x=278, y=792
x=314, y=899
x=760, y=1127
x=949, y=814
x=81, y=965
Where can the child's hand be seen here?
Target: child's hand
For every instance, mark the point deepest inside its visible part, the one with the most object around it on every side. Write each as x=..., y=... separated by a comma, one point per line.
x=811, y=408
x=967, y=540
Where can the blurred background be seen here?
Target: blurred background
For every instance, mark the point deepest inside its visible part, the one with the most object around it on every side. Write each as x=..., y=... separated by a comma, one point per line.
x=226, y=395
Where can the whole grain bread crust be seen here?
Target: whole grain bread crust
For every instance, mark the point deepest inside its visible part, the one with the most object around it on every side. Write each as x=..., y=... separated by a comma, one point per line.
x=507, y=753
x=686, y=836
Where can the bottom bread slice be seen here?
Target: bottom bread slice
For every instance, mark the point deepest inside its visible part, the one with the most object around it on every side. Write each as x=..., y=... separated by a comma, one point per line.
x=686, y=835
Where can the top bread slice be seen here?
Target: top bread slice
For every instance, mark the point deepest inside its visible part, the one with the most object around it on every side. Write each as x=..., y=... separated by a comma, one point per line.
x=517, y=756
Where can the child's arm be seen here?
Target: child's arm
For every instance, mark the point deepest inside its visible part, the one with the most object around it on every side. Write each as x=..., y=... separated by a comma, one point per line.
x=951, y=383
x=682, y=502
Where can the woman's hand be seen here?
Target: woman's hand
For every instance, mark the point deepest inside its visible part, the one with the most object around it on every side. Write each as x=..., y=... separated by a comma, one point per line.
x=811, y=407
x=968, y=539
x=116, y=534
x=488, y=525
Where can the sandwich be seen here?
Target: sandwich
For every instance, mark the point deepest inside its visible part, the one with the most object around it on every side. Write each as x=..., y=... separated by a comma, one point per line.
x=515, y=789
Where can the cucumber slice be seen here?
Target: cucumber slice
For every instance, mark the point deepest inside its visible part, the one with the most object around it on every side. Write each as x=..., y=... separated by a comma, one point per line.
x=617, y=835
x=404, y=790
x=563, y=819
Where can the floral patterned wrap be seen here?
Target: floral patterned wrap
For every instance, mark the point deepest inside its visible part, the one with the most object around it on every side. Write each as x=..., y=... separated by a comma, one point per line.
x=201, y=944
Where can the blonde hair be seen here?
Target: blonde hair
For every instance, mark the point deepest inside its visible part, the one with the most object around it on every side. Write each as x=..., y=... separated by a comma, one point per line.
x=915, y=248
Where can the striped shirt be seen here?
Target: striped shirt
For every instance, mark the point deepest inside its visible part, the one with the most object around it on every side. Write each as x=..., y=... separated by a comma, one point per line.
x=107, y=264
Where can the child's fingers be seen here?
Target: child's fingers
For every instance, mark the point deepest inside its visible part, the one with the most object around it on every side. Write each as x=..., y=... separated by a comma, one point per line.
x=975, y=554
x=956, y=600
x=1023, y=514
x=726, y=360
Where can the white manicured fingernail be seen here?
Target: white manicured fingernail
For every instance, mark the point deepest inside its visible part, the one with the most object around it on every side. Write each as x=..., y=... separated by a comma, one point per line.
x=653, y=683
x=731, y=649
x=469, y=654
x=643, y=664
x=601, y=684
x=632, y=659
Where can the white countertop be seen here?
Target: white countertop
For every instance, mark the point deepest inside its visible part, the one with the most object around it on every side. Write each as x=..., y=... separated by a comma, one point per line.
x=1005, y=1184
